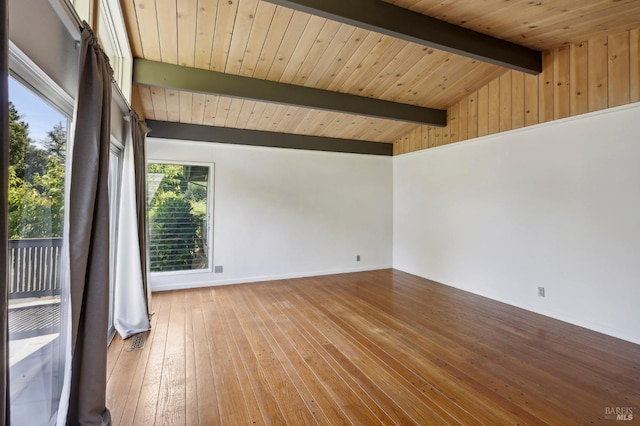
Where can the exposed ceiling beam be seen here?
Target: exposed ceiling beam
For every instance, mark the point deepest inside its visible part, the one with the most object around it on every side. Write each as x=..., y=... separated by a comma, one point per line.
x=195, y=132
x=157, y=74
x=395, y=21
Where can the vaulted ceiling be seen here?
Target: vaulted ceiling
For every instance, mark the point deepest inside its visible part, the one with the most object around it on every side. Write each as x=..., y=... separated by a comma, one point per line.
x=302, y=70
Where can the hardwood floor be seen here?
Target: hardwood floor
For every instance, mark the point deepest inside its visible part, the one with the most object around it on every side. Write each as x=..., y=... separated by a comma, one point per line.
x=381, y=347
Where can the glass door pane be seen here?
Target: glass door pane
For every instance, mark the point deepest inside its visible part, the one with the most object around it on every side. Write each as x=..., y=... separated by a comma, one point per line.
x=38, y=136
x=177, y=198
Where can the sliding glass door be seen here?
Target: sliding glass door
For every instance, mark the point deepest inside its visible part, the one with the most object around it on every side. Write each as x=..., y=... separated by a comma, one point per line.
x=38, y=140
x=178, y=208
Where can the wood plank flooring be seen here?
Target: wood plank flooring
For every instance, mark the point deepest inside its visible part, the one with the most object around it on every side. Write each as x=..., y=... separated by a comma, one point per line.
x=381, y=347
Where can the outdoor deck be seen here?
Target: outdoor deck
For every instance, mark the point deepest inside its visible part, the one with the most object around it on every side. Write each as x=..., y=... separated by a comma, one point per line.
x=34, y=327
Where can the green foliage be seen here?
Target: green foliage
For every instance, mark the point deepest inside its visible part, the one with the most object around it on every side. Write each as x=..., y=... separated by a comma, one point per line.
x=174, y=231
x=18, y=141
x=56, y=143
x=37, y=162
x=177, y=221
x=36, y=181
x=29, y=210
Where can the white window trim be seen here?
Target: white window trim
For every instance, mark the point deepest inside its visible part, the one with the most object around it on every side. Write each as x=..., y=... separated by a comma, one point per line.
x=112, y=24
x=111, y=31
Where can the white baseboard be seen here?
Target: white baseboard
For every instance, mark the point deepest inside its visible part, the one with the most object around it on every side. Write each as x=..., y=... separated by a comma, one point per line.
x=214, y=283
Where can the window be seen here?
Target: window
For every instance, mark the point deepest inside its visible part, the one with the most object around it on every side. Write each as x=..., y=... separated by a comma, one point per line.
x=38, y=140
x=42, y=89
x=178, y=210
x=113, y=37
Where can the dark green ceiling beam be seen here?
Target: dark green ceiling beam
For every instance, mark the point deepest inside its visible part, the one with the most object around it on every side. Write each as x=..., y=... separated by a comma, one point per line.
x=395, y=21
x=157, y=74
x=194, y=132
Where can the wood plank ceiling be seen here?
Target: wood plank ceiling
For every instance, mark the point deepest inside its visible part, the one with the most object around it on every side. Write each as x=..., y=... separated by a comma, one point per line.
x=257, y=39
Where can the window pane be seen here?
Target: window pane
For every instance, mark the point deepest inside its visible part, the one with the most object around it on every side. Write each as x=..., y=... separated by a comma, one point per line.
x=38, y=136
x=177, y=199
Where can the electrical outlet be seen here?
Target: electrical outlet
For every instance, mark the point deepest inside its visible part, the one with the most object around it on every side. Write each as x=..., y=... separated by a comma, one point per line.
x=541, y=291
x=217, y=269
x=358, y=258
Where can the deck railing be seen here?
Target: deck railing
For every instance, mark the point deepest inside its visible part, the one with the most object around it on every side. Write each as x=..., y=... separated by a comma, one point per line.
x=34, y=267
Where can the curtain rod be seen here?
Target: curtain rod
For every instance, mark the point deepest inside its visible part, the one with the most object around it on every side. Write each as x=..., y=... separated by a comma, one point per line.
x=73, y=13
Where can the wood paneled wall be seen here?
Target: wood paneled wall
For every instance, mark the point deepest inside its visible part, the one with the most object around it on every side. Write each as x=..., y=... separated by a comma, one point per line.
x=576, y=78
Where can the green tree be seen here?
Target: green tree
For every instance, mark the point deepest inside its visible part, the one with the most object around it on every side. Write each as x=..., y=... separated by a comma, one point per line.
x=36, y=181
x=18, y=141
x=56, y=142
x=174, y=230
x=50, y=186
x=37, y=162
x=177, y=219
x=16, y=197
x=29, y=210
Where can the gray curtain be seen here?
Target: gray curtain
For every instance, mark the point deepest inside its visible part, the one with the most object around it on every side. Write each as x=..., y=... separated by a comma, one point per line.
x=89, y=238
x=4, y=158
x=130, y=308
x=139, y=131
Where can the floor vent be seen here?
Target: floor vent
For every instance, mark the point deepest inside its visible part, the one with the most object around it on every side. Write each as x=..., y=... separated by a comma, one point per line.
x=137, y=342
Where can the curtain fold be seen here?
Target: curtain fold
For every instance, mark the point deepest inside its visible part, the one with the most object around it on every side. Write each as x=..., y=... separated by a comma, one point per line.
x=4, y=159
x=131, y=314
x=89, y=238
x=138, y=133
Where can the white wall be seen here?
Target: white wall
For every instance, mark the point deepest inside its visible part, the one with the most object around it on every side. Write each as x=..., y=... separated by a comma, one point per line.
x=556, y=205
x=289, y=213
